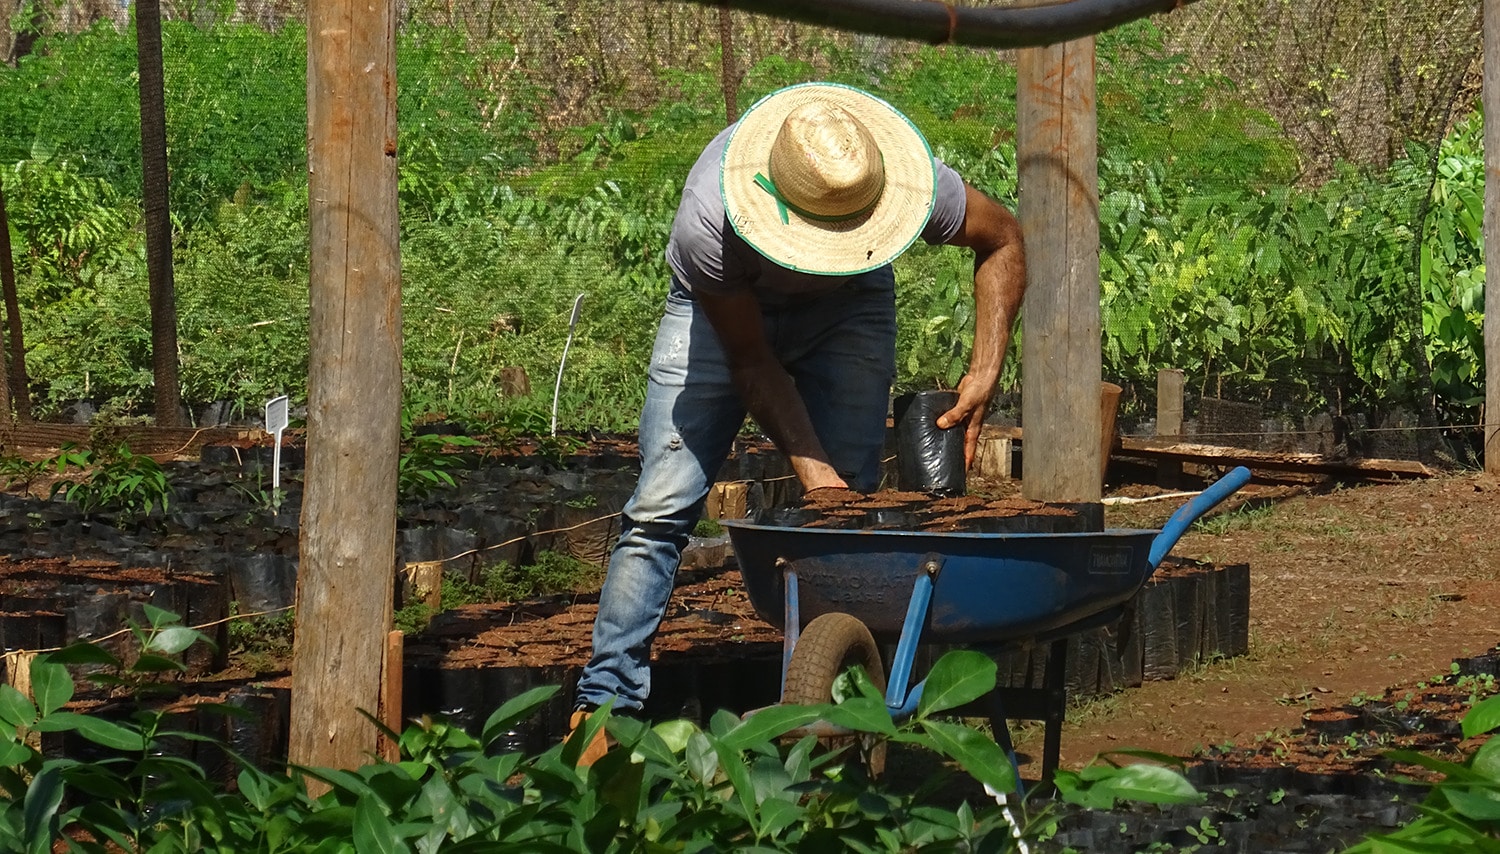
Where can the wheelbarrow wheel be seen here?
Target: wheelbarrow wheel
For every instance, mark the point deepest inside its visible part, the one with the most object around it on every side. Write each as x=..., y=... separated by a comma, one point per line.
x=829, y=645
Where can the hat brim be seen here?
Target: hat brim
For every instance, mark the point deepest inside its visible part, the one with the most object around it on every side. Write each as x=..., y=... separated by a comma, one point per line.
x=842, y=248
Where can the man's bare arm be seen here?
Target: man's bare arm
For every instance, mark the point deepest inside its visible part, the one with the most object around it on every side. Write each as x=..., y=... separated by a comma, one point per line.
x=767, y=389
x=999, y=283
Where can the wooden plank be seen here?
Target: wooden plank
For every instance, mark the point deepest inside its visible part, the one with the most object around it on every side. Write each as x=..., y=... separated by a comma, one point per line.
x=1491, y=101
x=1163, y=450
x=40, y=439
x=996, y=431
x=1056, y=142
x=1159, y=449
x=348, y=538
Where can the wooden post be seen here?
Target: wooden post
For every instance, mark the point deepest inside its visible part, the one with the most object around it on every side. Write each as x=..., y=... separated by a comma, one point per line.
x=348, y=539
x=729, y=75
x=1491, y=104
x=166, y=382
x=18, y=675
x=1169, y=386
x=8, y=286
x=1109, y=407
x=392, y=693
x=16, y=380
x=1056, y=130
x=993, y=459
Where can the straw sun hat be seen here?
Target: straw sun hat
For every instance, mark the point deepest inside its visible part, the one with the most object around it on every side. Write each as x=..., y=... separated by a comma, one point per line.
x=824, y=178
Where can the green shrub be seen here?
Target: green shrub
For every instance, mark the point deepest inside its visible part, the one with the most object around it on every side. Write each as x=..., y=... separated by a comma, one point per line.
x=262, y=642
x=115, y=479
x=735, y=784
x=1459, y=812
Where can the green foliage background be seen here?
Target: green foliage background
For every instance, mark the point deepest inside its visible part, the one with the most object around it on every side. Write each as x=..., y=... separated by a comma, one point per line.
x=1361, y=292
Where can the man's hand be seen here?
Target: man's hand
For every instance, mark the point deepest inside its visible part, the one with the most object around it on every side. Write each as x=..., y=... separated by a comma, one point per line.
x=973, y=402
x=835, y=482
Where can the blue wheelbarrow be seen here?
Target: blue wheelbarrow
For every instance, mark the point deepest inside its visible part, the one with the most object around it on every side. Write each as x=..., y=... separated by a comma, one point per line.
x=837, y=594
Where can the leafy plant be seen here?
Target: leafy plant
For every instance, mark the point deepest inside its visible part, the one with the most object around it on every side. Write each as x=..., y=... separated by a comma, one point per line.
x=427, y=465
x=264, y=642
x=1459, y=812
x=115, y=479
x=75, y=228
x=19, y=471
x=737, y=783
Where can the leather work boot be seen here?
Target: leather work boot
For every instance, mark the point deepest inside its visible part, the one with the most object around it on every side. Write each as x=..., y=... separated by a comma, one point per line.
x=596, y=748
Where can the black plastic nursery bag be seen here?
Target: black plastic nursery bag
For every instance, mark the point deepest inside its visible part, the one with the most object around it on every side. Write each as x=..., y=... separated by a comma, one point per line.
x=928, y=459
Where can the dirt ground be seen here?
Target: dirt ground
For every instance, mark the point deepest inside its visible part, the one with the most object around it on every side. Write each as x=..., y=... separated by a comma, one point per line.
x=1354, y=590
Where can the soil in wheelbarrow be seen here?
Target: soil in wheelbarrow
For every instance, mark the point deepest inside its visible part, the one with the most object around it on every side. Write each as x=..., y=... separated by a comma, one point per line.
x=894, y=510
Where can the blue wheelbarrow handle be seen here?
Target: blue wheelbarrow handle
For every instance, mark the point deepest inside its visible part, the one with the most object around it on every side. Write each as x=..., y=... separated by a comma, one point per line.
x=1188, y=513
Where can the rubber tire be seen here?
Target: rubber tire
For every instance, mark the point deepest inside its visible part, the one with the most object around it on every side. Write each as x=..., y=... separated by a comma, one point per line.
x=829, y=645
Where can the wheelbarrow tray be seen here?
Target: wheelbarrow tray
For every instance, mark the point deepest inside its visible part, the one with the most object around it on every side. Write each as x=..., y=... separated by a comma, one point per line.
x=989, y=587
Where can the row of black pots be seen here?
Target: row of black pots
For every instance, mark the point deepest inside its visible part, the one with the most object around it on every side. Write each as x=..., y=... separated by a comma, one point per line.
x=204, y=733
x=1381, y=716
x=1198, y=613
x=1293, y=823
x=1359, y=776
x=685, y=688
x=906, y=519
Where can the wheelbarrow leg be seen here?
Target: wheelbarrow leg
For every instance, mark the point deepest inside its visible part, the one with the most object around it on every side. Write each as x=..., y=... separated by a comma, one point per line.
x=1055, y=684
x=792, y=619
x=897, y=697
x=1000, y=728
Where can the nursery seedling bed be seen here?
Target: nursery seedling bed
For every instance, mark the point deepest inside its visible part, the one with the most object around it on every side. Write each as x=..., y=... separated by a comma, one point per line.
x=1354, y=590
x=709, y=618
x=48, y=602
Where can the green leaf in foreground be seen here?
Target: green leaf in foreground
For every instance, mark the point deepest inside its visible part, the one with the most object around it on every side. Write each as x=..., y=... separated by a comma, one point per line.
x=975, y=752
x=51, y=685
x=1485, y=716
x=94, y=729
x=959, y=677
x=1142, y=783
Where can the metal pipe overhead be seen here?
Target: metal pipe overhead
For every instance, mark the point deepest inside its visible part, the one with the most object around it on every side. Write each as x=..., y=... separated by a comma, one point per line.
x=946, y=23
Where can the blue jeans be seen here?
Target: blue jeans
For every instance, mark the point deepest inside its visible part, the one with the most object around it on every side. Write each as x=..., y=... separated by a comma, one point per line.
x=839, y=348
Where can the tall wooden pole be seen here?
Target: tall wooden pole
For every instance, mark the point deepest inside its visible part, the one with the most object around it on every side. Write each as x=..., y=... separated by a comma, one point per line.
x=158, y=216
x=1491, y=99
x=8, y=288
x=348, y=541
x=729, y=74
x=1056, y=143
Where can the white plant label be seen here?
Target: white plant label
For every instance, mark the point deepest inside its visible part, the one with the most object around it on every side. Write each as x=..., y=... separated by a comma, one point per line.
x=276, y=419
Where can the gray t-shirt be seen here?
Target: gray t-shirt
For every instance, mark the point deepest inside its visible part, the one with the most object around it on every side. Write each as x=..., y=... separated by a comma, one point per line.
x=707, y=256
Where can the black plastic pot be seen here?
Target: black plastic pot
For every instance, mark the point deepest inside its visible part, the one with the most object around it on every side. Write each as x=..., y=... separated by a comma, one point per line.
x=1386, y=716
x=1156, y=623
x=262, y=582
x=1332, y=724
x=787, y=517
x=928, y=458
x=893, y=519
